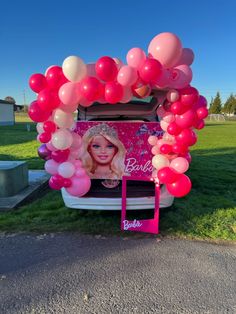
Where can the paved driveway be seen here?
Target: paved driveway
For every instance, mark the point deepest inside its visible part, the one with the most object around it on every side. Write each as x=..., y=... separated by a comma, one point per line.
x=72, y=273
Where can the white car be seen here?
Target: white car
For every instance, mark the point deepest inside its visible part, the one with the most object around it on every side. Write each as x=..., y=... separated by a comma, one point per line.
x=140, y=194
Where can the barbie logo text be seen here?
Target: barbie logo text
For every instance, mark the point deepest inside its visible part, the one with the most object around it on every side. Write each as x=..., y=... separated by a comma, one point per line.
x=132, y=165
x=131, y=224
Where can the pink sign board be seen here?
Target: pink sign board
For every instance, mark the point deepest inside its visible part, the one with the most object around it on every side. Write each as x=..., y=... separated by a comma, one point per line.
x=141, y=225
x=111, y=150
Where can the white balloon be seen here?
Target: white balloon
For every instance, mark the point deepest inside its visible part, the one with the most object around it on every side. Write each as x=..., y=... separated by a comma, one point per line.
x=66, y=169
x=63, y=119
x=74, y=68
x=172, y=95
x=62, y=139
x=39, y=127
x=159, y=161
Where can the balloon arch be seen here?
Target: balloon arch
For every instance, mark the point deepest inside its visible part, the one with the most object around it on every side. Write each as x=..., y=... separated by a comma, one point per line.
x=165, y=67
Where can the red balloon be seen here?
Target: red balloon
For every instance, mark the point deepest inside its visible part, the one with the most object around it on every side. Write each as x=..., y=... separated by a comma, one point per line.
x=91, y=88
x=178, y=108
x=166, y=149
x=106, y=69
x=60, y=155
x=167, y=175
x=179, y=148
x=48, y=99
x=202, y=112
x=187, y=137
x=186, y=120
x=173, y=129
x=150, y=70
x=181, y=187
x=189, y=96
x=37, y=82
x=45, y=137
x=36, y=113
x=49, y=126
x=113, y=92
x=55, y=77
x=56, y=182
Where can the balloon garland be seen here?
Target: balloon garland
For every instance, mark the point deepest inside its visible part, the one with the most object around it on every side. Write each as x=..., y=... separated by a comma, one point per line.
x=61, y=89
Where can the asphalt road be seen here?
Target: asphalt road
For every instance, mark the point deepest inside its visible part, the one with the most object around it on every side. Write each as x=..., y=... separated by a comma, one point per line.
x=72, y=273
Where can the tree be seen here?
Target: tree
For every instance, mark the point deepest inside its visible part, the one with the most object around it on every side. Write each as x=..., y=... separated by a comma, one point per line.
x=229, y=106
x=10, y=99
x=216, y=104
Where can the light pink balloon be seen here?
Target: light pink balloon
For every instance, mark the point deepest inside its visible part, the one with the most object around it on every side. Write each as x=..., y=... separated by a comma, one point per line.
x=69, y=94
x=167, y=137
x=159, y=161
x=181, y=76
x=79, y=186
x=179, y=164
x=62, y=139
x=186, y=57
x=168, y=117
x=127, y=95
x=152, y=140
x=51, y=147
x=77, y=141
x=135, y=57
x=68, y=109
x=127, y=75
x=172, y=95
x=66, y=169
x=164, y=125
x=85, y=103
x=80, y=172
x=166, y=48
x=155, y=150
x=51, y=166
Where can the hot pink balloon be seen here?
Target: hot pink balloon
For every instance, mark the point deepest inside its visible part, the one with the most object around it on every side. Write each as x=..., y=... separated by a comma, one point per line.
x=179, y=164
x=150, y=70
x=163, y=80
x=186, y=120
x=166, y=48
x=56, y=182
x=187, y=137
x=49, y=126
x=60, y=155
x=37, y=82
x=181, y=187
x=48, y=99
x=113, y=92
x=36, y=113
x=202, y=112
x=55, y=77
x=127, y=75
x=135, y=57
x=91, y=88
x=189, y=96
x=106, y=69
x=79, y=186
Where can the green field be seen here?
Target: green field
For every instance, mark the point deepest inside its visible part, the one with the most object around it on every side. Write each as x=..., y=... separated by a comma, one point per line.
x=208, y=212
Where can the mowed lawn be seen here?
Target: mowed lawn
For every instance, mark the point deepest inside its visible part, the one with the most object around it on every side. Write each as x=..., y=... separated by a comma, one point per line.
x=208, y=212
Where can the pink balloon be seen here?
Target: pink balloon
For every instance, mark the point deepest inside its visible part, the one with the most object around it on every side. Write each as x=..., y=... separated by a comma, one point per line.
x=55, y=77
x=77, y=141
x=69, y=94
x=179, y=164
x=60, y=155
x=127, y=75
x=45, y=137
x=166, y=48
x=173, y=129
x=181, y=76
x=178, y=108
x=51, y=147
x=187, y=57
x=167, y=175
x=186, y=120
x=79, y=186
x=135, y=57
x=51, y=166
x=80, y=172
x=189, y=96
x=56, y=182
x=68, y=109
x=181, y=187
x=49, y=126
x=163, y=80
x=127, y=95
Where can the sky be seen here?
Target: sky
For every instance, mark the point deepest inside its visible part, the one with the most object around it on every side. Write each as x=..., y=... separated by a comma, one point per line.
x=37, y=34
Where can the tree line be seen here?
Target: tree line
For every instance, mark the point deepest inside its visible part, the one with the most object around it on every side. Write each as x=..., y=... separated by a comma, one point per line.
x=227, y=108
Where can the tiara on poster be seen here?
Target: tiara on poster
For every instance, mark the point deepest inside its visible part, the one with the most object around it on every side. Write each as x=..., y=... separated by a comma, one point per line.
x=103, y=129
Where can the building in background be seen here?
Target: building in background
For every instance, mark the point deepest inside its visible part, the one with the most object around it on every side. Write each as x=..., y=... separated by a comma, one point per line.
x=7, y=108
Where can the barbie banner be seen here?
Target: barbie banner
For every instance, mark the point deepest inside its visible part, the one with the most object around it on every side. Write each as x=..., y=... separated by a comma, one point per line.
x=111, y=150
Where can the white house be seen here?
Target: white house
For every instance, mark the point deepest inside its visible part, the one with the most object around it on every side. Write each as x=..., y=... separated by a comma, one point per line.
x=7, y=116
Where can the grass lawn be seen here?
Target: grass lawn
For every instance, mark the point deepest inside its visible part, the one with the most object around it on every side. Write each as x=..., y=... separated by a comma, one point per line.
x=208, y=212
